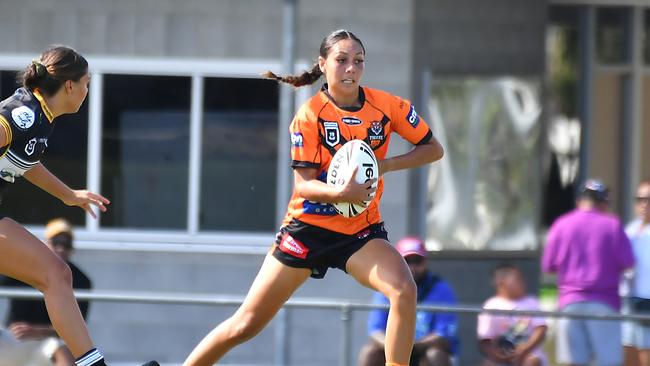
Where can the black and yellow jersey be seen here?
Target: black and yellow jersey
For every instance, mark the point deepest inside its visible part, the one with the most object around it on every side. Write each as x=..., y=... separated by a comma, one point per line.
x=28, y=123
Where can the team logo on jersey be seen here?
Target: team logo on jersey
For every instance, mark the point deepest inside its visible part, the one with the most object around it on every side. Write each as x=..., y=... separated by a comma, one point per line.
x=375, y=134
x=332, y=134
x=23, y=117
x=413, y=117
x=296, y=139
x=31, y=145
x=293, y=247
x=351, y=121
x=376, y=128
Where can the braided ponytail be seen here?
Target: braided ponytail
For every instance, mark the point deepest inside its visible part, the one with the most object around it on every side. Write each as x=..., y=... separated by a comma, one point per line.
x=306, y=78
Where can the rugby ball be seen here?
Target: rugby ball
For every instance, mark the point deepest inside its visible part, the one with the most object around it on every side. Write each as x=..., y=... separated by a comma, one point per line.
x=352, y=154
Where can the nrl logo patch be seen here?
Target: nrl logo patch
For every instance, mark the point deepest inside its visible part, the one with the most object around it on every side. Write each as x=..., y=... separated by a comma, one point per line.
x=332, y=134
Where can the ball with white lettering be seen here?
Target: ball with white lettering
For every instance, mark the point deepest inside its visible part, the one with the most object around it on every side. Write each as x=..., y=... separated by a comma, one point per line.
x=352, y=154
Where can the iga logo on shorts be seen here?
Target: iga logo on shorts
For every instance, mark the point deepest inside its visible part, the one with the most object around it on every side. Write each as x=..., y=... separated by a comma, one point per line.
x=413, y=117
x=293, y=247
x=296, y=139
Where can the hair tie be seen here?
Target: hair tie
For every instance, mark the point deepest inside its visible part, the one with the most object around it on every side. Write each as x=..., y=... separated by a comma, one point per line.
x=41, y=70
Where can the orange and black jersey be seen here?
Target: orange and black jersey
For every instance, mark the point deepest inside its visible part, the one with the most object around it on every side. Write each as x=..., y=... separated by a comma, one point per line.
x=320, y=128
x=27, y=123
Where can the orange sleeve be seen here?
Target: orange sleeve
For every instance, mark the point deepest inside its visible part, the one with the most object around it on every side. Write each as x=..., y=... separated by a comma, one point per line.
x=408, y=123
x=305, y=143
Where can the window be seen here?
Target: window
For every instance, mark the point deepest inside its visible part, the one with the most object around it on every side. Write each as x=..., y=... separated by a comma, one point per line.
x=612, y=31
x=239, y=155
x=145, y=151
x=646, y=37
x=65, y=157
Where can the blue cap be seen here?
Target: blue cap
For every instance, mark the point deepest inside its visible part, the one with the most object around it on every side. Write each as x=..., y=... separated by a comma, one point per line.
x=595, y=189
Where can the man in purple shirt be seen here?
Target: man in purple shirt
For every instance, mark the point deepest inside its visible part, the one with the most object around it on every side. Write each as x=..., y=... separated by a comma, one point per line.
x=588, y=250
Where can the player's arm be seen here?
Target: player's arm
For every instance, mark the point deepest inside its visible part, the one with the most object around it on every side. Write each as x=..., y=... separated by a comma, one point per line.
x=422, y=154
x=45, y=180
x=309, y=187
x=535, y=340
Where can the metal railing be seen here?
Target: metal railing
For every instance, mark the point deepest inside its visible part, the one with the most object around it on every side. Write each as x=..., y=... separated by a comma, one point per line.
x=345, y=307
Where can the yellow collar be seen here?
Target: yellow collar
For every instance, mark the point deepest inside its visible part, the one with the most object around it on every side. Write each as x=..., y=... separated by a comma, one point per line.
x=46, y=109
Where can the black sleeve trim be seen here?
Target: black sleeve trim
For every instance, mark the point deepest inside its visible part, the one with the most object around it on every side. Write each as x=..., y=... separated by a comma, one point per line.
x=304, y=164
x=426, y=138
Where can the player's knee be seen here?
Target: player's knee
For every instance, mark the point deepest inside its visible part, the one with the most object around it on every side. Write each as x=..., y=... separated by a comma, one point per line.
x=245, y=327
x=438, y=357
x=56, y=275
x=404, y=293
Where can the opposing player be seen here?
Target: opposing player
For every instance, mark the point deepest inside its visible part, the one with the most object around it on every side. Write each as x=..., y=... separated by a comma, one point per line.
x=313, y=236
x=53, y=85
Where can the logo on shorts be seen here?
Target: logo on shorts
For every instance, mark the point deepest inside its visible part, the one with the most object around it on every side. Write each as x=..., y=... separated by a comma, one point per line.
x=332, y=134
x=363, y=234
x=293, y=247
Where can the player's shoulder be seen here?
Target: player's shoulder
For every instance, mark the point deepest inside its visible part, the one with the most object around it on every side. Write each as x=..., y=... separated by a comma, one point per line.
x=20, y=108
x=387, y=102
x=380, y=96
x=310, y=110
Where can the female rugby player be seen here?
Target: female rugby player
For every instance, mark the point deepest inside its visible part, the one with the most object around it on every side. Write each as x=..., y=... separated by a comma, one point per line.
x=313, y=236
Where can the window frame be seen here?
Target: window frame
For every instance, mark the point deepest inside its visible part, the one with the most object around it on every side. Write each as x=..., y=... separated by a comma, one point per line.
x=192, y=239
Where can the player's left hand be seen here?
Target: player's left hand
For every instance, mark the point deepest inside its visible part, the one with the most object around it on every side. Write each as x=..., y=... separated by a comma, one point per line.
x=86, y=199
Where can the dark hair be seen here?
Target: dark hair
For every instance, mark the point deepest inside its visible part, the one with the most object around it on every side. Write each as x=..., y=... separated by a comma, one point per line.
x=55, y=66
x=310, y=76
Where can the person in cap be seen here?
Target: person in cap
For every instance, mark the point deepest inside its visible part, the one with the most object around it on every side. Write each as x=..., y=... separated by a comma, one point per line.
x=27, y=320
x=589, y=251
x=435, y=333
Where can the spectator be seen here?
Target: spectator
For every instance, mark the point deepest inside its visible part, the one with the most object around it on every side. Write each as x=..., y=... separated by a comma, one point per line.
x=435, y=334
x=28, y=320
x=636, y=334
x=506, y=339
x=589, y=251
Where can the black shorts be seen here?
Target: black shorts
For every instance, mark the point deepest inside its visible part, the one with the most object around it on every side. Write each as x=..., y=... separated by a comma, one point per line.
x=302, y=245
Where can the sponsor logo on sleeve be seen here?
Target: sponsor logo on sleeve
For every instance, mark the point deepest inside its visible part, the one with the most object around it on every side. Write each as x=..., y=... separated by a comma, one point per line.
x=351, y=121
x=23, y=117
x=296, y=139
x=413, y=117
x=293, y=247
x=332, y=134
